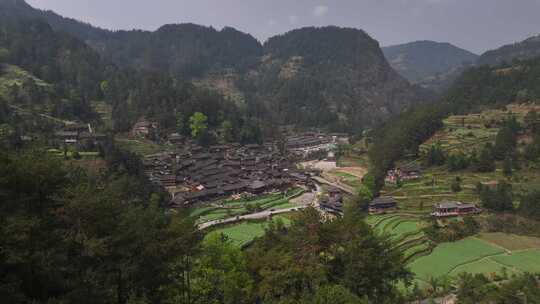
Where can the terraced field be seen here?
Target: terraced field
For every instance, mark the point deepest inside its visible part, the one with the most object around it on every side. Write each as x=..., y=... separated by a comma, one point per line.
x=241, y=234
x=231, y=208
x=487, y=253
x=465, y=134
x=475, y=255
x=405, y=231
x=446, y=257
x=468, y=132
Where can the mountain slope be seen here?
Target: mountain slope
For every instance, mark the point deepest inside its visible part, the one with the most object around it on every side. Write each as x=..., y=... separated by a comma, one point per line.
x=312, y=77
x=331, y=76
x=526, y=49
x=428, y=63
x=184, y=50
x=497, y=86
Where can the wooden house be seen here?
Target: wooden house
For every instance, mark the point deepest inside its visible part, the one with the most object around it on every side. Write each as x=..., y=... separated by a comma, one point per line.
x=449, y=209
x=382, y=204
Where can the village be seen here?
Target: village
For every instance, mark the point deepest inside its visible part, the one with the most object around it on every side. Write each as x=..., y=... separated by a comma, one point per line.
x=196, y=175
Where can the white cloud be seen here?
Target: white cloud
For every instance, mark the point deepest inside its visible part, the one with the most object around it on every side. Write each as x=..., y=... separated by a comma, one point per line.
x=271, y=22
x=320, y=10
x=293, y=19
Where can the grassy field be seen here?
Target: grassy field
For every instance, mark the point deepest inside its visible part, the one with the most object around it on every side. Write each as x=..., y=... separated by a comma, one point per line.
x=525, y=261
x=245, y=232
x=488, y=254
x=511, y=242
x=487, y=267
x=449, y=256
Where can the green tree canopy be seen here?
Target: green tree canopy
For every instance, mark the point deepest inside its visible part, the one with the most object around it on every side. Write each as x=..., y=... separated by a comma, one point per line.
x=198, y=123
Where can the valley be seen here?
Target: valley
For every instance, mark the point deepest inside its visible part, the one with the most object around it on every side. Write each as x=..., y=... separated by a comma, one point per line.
x=197, y=164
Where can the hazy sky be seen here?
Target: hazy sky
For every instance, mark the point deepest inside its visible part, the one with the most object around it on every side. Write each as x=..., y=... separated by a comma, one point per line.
x=476, y=25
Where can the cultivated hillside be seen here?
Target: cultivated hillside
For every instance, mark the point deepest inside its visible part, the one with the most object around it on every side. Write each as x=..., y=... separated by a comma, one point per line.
x=431, y=64
x=526, y=49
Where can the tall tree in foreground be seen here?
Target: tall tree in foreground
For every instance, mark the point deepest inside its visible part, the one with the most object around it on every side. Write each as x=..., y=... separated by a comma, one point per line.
x=298, y=264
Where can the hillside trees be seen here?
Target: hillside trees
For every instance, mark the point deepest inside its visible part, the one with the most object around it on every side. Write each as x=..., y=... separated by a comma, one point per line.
x=78, y=239
x=506, y=139
x=198, y=123
x=297, y=265
x=486, y=159
x=4, y=55
x=499, y=199
x=435, y=156
x=403, y=136
x=530, y=205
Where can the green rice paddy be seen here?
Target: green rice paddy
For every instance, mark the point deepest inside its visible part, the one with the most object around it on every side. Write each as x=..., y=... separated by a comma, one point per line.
x=245, y=232
x=526, y=261
x=488, y=253
x=448, y=256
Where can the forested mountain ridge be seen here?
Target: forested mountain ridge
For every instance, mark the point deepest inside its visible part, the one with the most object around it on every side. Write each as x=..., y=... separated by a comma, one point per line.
x=497, y=85
x=364, y=89
x=430, y=64
x=184, y=50
x=333, y=76
x=526, y=49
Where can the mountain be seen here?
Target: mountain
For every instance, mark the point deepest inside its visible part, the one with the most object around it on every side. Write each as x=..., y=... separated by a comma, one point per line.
x=184, y=50
x=330, y=76
x=526, y=49
x=312, y=77
x=427, y=63
x=490, y=86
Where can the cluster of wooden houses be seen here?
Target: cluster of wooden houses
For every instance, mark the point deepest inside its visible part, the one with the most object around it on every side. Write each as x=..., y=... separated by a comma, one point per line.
x=440, y=210
x=144, y=128
x=449, y=209
x=79, y=133
x=403, y=173
x=314, y=143
x=195, y=174
x=332, y=202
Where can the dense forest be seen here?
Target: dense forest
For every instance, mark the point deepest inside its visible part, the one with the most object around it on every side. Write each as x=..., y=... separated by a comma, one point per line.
x=79, y=76
x=496, y=86
x=330, y=76
x=71, y=237
x=284, y=81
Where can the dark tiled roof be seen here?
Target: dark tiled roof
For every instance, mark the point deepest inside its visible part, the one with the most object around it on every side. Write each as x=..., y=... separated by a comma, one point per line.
x=383, y=201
